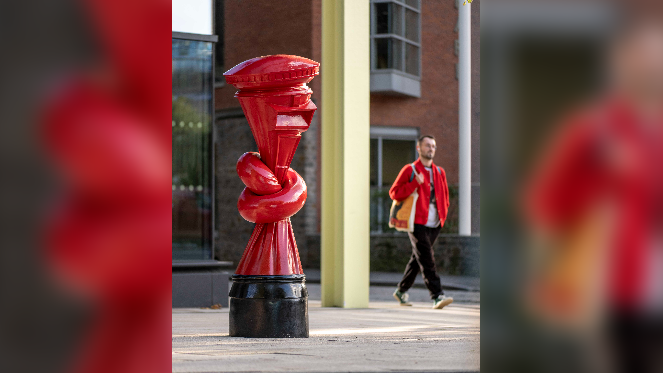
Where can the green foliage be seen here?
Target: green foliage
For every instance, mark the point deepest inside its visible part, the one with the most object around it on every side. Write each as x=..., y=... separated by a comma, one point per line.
x=184, y=111
x=191, y=143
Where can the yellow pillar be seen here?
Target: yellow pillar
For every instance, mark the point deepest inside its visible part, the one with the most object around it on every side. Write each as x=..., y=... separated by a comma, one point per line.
x=345, y=226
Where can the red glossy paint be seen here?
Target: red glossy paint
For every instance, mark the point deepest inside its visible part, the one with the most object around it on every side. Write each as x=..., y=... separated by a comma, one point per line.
x=273, y=207
x=256, y=175
x=277, y=104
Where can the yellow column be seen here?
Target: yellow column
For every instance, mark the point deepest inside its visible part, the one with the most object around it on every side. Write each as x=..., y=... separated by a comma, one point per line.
x=345, y=226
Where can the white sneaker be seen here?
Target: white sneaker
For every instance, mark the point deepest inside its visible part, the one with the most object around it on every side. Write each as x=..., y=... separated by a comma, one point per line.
x=402, y=298
x=442, y=301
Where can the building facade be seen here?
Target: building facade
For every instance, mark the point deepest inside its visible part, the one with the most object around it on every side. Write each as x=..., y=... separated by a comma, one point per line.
x=414, y=91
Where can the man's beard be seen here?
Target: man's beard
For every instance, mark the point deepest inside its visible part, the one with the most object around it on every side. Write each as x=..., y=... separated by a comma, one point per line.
x=426, y=157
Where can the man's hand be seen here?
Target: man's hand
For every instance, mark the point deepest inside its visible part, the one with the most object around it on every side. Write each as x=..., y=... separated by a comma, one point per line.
x=419, y=177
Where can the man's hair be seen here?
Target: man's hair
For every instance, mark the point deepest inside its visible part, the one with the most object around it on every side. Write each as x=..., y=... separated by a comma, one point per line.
x=423, y=137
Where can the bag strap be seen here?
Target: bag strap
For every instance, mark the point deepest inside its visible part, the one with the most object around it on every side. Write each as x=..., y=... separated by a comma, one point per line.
x=412, y=176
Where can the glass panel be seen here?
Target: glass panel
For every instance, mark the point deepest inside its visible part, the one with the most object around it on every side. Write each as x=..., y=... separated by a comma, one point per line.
x=388, y=18
x=374, y=162
x=411, y=59
x=412, y=25
x=192, y=152
x=397, y=54
x=395, y=155
x=380, y=206
x=375, y=202
x=396, y=19
x=381, y=53
x=388, y=53
x=412, y=3
x=382, y=18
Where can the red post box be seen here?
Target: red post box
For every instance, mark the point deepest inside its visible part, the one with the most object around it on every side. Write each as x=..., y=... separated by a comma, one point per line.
x=268, y=297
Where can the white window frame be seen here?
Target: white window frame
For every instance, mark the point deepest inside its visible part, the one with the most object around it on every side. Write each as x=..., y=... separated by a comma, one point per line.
x=402, y=38
x=393, y=80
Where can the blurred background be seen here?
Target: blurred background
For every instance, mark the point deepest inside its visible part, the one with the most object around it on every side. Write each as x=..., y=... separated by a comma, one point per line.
x=85, y=220
x=572, y=101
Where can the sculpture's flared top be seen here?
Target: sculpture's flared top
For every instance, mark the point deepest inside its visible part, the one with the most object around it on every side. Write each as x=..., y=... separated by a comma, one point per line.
x=267, y=72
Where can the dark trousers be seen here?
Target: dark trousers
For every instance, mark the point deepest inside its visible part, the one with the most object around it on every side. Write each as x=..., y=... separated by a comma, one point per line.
x=422, y=259
x=637, y=341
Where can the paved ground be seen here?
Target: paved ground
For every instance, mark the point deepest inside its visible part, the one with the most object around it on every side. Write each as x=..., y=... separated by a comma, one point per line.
x=383, y=338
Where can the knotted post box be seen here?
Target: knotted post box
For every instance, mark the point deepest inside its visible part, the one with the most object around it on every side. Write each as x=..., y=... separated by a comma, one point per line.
x=268, y=297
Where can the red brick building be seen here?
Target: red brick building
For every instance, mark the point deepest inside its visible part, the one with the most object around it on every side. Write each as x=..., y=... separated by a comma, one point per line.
x=414, y=91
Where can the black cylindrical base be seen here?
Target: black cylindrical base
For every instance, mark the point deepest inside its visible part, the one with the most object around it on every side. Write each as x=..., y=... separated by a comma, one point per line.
x=269, y=307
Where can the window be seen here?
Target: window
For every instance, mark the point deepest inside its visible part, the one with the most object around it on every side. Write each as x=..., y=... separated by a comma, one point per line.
x=391, y=149
x=395, y=47
x=192, y=149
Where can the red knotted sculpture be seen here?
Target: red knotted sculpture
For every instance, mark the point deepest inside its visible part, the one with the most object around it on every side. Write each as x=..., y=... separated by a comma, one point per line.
x=277, y=104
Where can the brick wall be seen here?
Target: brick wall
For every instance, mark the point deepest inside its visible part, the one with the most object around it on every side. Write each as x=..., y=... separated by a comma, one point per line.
x=436, y=112
x=454, y=255
x=234, y=138
x=263, y=27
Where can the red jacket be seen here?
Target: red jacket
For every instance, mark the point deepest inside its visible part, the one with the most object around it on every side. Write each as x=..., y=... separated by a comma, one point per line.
x=605, y=155
x=403, y=187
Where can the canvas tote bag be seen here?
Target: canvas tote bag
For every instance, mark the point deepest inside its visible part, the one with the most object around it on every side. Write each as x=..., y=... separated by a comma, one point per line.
x=569, y=288
x=401, y=215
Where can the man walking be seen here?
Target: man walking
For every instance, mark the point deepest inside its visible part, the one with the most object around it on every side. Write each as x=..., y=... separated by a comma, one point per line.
x=431, y=211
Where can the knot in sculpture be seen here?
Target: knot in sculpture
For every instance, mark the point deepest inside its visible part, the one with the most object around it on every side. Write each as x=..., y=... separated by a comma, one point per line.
x=264, y=200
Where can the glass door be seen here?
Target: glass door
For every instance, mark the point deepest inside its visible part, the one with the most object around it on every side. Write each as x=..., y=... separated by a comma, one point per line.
x=192, y=150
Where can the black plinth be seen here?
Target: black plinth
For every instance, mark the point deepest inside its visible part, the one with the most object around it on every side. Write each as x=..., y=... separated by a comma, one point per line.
x=269, y=307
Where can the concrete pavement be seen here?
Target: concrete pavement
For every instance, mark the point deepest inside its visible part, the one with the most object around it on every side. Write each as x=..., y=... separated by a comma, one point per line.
x=384, y=337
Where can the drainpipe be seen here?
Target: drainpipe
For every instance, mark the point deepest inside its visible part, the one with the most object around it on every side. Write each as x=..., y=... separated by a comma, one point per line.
x=464, y=121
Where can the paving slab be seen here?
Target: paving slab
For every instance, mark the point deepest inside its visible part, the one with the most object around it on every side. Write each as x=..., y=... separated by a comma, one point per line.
x=383, y=338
